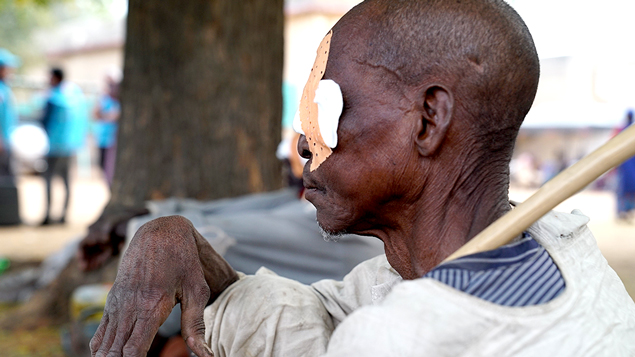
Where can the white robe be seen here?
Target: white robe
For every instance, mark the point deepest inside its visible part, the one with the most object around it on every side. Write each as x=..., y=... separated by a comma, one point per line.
x=372, y=312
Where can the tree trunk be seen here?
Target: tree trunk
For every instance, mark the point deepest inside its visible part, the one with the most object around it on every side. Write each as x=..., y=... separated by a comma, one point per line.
x=201, y=116
x=201, y=100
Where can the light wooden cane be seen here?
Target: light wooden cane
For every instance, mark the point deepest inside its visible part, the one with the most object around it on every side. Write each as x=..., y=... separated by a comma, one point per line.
x=561, y=187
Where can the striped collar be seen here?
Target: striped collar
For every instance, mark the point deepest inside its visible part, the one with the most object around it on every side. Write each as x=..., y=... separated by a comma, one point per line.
x=517, y=274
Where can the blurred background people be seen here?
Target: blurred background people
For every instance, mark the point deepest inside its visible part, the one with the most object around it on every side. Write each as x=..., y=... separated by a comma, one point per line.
x=626, y=182
x=8, y=113
x=106, y=113
x=63, y=124
x=9, y=210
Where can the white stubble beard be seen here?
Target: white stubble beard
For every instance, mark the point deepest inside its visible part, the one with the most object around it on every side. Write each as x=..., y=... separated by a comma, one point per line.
x=330, y=236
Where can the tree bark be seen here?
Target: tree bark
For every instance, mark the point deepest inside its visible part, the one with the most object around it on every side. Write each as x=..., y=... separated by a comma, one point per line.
x=201, y=100
x=201, y=118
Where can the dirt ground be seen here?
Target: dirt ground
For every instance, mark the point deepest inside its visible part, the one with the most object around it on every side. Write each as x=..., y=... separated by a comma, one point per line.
x=42, y=342
x=30, y=242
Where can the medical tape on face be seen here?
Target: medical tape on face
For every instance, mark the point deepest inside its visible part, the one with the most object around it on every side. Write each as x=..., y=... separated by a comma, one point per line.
x=320, y=109
x=329, y=100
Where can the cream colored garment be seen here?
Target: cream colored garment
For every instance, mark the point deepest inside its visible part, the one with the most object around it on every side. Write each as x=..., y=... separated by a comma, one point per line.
x=594, y=316
x=268, y=315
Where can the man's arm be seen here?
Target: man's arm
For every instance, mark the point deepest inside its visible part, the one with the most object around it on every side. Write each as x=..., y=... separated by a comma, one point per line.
x=268, y=315
x=167, y=262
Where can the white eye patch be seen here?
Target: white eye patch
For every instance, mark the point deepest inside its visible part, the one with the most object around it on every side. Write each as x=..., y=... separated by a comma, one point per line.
x=330, y=103
x=328, y=97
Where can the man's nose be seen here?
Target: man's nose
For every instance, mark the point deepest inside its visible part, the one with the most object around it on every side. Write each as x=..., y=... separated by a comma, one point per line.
x=303, y=147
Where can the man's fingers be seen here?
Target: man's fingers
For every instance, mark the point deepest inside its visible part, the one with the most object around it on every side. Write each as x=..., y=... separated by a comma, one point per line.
x=192, y=324
x=109, y=336
x=141, y=337
x=95, y=342
x=124, y=330
x=199, y=347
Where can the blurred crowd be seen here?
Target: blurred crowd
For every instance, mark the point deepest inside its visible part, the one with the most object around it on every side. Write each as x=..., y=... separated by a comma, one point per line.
x=625, y=189
x=529, y=171
x=48, y=139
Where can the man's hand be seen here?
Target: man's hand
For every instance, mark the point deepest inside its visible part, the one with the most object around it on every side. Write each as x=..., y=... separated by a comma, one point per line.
x=167, y=262
x=106, y=237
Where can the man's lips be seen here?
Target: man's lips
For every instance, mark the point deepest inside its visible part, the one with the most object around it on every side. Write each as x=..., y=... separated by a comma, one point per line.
x=310, y=184
x=311, y=194
x=312, y=189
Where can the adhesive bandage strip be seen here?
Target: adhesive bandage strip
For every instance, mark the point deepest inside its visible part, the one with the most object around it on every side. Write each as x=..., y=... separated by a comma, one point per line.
x=320, y=108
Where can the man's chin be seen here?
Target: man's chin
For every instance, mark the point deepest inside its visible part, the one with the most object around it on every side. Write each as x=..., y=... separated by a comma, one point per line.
x=329, y=217
x=329, y=235
x=331, y=226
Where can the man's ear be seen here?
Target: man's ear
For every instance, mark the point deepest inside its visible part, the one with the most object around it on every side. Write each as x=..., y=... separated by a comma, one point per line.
x=438, y=108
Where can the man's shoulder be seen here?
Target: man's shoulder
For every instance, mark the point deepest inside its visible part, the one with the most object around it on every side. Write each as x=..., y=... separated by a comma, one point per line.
x=561, y=224
x=378, y=269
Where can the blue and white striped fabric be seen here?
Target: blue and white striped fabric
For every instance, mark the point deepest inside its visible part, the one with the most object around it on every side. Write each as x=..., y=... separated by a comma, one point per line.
x=518, y=274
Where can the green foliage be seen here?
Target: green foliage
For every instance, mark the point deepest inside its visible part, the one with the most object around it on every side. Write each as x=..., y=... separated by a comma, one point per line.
x=17, y=22
x=33, y=2
x=20, y=18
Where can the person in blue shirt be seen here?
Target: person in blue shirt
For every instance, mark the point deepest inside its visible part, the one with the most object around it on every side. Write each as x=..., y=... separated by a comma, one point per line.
x=8, y=114
x=626, y=183
x=64, y=126
x=106, y=114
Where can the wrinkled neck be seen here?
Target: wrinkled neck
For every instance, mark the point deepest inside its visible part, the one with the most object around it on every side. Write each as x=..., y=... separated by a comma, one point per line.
x=452, y=210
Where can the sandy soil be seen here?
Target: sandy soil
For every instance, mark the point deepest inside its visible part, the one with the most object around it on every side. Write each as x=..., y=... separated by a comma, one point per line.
x=32, y=242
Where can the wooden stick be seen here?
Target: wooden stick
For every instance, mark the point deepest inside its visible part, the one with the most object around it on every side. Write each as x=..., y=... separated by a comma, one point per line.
x=552, y=193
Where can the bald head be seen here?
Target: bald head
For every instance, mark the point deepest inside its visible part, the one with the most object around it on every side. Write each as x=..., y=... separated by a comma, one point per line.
x=434, y=93
x=479, y=49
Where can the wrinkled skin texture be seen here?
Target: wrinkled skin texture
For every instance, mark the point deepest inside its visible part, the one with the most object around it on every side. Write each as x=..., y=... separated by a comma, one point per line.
x=403, y=156
x=106, y=236
x=167, y=262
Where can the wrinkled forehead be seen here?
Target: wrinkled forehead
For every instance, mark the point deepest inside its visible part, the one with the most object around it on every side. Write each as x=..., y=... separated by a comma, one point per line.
x=353, y=60
x=357, y=34
x=347, y=53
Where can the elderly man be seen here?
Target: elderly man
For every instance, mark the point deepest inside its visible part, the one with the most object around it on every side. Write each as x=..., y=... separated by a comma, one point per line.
x=433, y=93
